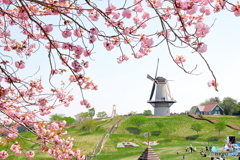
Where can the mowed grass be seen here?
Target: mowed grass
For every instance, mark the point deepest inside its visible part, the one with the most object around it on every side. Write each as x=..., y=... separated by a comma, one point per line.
x=169, y=144
x=84, y=140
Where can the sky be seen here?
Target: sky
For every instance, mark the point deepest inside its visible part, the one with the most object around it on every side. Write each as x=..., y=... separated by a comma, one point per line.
x=126, y=85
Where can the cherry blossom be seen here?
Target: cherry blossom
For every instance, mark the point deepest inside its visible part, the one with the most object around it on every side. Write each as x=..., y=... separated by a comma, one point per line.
x=3, y=154
x=180, y=59
x=109, y=46
x=20, y=64
x=127, y=13
x=78, y=32
x=48, y=28
x=146, y=15
x=212, y=83
x=202, y=48
x=94, y=31
x=30, y=154
x=69, y=34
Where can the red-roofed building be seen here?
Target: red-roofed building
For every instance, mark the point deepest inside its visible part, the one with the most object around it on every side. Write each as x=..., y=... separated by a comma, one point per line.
x=211, y=109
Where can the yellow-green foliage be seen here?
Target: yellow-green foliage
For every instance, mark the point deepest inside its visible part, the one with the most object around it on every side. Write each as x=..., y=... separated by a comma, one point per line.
x=169, y=144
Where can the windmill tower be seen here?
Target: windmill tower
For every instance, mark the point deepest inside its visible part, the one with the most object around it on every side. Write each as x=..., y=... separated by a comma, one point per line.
x=163, y=99
x=114, y=112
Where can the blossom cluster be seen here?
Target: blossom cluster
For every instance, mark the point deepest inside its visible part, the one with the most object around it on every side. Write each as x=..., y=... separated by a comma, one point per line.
x=71, y=35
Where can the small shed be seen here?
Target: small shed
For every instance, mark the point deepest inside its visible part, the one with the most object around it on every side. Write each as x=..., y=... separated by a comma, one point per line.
x=148, y=154
x=211, y=109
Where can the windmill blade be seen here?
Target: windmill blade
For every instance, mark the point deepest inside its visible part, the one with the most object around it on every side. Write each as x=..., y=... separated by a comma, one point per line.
x=149, y=77
x=156, y=69
x=153, y=88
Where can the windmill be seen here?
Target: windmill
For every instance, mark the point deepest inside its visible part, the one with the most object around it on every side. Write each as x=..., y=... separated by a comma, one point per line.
x=163, y=99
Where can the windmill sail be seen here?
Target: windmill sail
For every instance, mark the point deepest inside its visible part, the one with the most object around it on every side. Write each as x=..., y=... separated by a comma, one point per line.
x=152, y=92
x=154, y=81
x=149, y=77
x=168, y=91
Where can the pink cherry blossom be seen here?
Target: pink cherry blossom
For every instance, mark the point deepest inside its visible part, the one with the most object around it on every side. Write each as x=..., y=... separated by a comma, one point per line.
x=137, y=20
x=65, y=46
x=3, y=154
x=147, y=43
x=78, y=50
x=30, y=154
x=86, y=64
x=42, y=101
x=126, y=31
x=205, y=10
x=155, y=3
x=87, y=53
x=115, y=42
x=212, y=83
x=122, y=58
x=12, y=135
x=180, y=59
x=165, y=33
x=93, y=15
x=143, y=25
x=92, y=39
x=7, y=48
x=94, y=31
x=115, y=15
x=202, y=48
x=67, y=33
x=64, y=60
x=79, y=9
x=138, y=8
x=7, y=1
x=192, y=10
x=236, y=10
x=78, y=32
x=146, y=15
x=109, y=46
x=48, y=28
x=201, y=29
x=84, y=102
x=20, y=64
x=61, y=94
x=110, y=8
x=76, y=66
x=127, y=13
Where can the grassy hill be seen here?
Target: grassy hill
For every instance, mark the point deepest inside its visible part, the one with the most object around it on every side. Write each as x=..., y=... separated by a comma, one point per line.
x=169, y=143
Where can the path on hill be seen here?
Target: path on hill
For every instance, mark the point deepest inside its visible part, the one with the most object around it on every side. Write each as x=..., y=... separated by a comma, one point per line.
x=198, y=117
x=94, y=121
x=102, y=141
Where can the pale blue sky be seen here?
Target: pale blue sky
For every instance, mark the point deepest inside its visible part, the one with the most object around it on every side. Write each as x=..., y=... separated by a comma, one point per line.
x=126, y=85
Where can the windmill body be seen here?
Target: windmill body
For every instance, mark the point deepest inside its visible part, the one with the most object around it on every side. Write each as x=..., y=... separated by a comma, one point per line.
x=163, y=99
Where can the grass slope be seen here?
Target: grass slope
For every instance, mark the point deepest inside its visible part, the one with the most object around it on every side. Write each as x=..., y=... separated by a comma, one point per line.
x=169, y=144
x=125, y=132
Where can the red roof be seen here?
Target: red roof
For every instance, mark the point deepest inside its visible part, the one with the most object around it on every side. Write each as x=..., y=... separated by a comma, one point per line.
x=206, y=108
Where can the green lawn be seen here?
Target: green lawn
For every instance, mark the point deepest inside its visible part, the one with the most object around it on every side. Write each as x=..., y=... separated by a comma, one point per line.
x=169, y=143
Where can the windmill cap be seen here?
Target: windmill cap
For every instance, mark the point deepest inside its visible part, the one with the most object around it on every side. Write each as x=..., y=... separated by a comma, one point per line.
x=161, y=79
